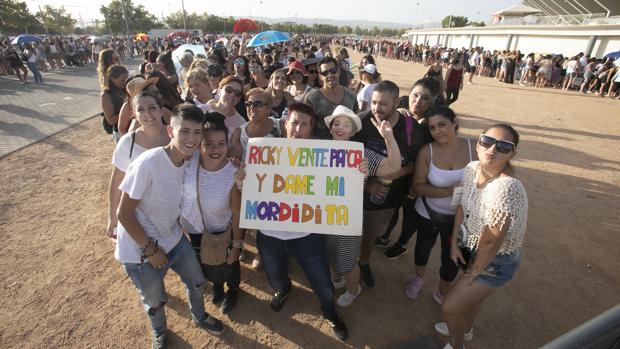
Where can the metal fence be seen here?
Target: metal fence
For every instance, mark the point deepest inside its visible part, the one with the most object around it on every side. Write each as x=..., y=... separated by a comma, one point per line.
x=601, y=332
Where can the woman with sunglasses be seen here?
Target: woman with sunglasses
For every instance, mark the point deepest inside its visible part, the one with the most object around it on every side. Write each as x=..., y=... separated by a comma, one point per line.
x=257, y=75
x=258, y=103
x=298, y=78
x=261, y=124
x=280, y=98
x=312, y=67
x=230, y=94
x=241, y=69
x=438, y=170
x=489, y=225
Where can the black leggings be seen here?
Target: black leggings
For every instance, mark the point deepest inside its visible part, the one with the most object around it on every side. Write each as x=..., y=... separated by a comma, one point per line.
x=453, y=94
x=427, y=235
x=217, y=274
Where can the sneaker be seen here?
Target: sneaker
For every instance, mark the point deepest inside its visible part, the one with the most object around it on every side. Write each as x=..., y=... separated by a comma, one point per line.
x=369, y=280
x=414, y=287
x=211, y=325
x=278, y=300
x=218, y=293
x=395, y=251
x=437, y=297
x=347, y=298
x=382, y=242
x=339, y=284
x=338, y=327
x=160, y=341
x=229, y=301
x=442, y=329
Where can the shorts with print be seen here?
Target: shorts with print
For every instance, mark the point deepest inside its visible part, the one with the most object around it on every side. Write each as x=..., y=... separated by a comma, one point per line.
x=503, y=266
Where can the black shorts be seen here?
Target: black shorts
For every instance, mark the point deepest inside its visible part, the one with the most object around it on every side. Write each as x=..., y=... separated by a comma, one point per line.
x=472, y=69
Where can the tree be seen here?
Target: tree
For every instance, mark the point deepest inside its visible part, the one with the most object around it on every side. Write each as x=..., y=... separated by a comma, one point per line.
x=16, y=18
x=56, y=20
x=138, y=18
x=457, y=21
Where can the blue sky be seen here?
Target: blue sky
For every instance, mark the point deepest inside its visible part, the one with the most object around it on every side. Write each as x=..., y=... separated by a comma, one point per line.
x=399, y=11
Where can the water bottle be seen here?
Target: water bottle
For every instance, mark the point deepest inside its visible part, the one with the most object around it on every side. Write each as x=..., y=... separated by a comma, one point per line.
x=379, y=200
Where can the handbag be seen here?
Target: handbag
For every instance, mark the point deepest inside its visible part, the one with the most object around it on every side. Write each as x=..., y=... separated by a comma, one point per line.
x=441, y=222
x=213, y=247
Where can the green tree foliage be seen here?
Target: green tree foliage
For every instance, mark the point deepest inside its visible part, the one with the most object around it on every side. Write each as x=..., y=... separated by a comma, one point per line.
x=138, y=18
x=16, y=19
x=56, y=20
x=457, y=21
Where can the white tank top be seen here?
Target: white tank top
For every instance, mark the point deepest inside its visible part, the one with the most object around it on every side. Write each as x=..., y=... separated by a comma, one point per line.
x=243, y=136
x=441, y=178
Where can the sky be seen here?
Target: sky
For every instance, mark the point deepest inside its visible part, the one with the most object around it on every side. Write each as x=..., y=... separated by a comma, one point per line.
x=399, y=11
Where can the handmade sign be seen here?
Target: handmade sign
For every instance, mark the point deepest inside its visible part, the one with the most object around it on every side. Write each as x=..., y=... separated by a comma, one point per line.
x=303, y=185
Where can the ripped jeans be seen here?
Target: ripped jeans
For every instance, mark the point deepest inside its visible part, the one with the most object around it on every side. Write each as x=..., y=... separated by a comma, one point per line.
x=150, y=283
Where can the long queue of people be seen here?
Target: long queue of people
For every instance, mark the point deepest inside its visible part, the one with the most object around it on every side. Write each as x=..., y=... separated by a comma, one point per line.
x=580, y=73
x=176, y=183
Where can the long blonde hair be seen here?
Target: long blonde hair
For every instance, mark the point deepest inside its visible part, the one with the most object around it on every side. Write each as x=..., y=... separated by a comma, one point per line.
x=106, y=60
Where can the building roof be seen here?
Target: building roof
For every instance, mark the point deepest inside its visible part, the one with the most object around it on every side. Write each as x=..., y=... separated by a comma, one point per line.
x=518, y=10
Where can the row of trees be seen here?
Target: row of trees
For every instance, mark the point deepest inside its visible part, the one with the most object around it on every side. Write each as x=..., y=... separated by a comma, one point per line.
x=459, y=21
x=16, y=19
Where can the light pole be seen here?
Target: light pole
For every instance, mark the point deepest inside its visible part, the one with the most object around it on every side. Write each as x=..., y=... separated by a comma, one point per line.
x=183, y=7
x=129, y=39
x=262, y=19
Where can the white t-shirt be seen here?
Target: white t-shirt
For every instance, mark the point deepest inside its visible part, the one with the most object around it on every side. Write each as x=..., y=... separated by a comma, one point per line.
x=365, y=95
x=120, y=157
x=153, y=179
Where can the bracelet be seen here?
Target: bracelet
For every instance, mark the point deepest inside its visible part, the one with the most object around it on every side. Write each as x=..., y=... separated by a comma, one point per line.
x=237, y=243
x=150, y=248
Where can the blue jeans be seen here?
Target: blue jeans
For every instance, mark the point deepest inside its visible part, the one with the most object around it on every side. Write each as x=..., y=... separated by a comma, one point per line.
x=150, y=283
x=35, y=71
x=309, y=252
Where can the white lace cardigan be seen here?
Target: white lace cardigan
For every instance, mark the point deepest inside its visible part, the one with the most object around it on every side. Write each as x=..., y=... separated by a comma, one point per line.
x=503, y=200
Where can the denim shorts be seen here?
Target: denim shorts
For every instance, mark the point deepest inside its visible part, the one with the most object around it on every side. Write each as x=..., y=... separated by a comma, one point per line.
x=504, y=267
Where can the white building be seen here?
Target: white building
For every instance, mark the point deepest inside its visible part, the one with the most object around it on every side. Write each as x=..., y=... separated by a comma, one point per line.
x=528, y=29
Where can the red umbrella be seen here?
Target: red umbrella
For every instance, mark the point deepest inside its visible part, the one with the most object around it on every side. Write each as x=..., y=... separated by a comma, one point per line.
x=245, y=25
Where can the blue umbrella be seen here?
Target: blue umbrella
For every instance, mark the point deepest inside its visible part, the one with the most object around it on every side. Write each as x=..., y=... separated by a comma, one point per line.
x=268, y=37
x=26, y=38
x=614, y=55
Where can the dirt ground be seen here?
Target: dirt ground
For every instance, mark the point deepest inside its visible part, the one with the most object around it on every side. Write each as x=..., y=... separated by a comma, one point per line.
x=61, y=286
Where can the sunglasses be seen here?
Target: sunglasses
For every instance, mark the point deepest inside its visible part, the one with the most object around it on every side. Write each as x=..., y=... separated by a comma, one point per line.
x=231, y=90
x=504, y=147
x=332, y=71
x=239, y=62
x=312, y=71
x=256, y=68
x=255, y=104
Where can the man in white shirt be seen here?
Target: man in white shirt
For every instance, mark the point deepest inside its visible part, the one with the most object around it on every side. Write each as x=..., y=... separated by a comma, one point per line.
x=275, y=247
x=149, y=235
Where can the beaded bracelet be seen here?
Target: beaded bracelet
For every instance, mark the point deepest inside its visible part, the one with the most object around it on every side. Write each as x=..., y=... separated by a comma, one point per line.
x=150, y=248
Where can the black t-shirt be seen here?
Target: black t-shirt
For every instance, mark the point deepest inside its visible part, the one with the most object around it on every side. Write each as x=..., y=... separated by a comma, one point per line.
x=373, y=140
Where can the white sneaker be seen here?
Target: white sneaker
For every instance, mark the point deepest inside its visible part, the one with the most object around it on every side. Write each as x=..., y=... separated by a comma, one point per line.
x=449, y=346
x=339, y=284
x=347, y=298
x=442, y=329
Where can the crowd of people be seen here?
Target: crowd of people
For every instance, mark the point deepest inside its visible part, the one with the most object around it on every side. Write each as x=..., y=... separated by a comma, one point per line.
x=580, y=73
x=177, y=177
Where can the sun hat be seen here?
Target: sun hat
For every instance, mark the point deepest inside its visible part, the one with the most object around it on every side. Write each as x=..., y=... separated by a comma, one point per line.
x=341, y=110
x=297, y=65
x=138, y=84
x=370, y=69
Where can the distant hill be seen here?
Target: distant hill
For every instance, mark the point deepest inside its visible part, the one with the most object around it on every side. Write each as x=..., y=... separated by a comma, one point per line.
x=338, y=22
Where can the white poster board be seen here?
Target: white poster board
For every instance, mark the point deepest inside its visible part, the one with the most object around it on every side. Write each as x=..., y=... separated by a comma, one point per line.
x=303, y=185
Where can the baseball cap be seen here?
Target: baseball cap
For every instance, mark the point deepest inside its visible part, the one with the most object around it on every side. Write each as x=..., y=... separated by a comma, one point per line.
x=297, y=65
x=370, y=69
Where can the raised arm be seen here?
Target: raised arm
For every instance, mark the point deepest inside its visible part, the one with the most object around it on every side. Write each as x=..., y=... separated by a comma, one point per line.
x=391, y=164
